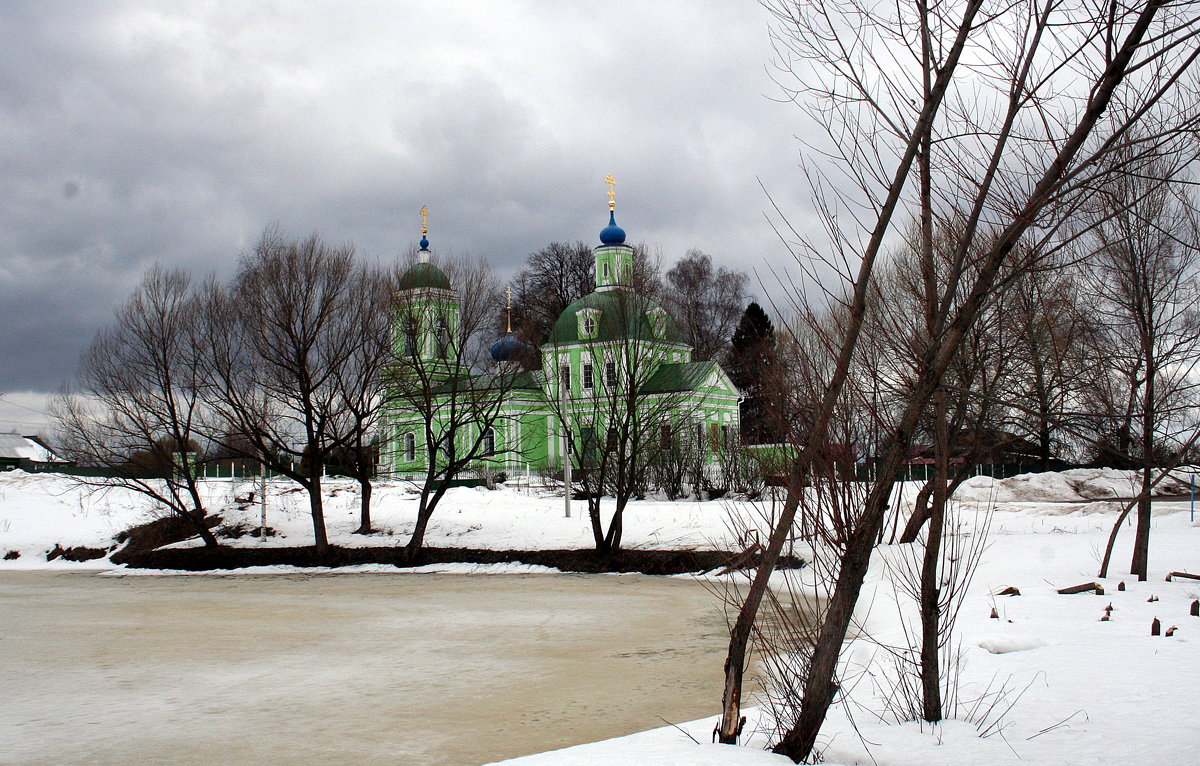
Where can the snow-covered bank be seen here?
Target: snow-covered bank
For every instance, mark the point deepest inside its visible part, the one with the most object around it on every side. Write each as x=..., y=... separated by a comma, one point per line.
x=41, y=511
x=1082, y=690
x=1077, y=690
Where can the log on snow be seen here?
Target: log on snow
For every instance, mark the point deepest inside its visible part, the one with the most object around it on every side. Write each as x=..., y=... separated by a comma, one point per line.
x=1084, y=588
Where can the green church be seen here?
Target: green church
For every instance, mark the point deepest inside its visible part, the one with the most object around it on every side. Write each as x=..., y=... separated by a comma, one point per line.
x=616, y=378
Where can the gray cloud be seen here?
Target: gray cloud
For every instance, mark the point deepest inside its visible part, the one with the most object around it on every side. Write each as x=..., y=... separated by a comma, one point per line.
x=133, y=132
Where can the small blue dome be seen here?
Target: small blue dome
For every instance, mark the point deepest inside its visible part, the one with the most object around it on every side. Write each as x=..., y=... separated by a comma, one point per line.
x=424, y=242
x=507, y=348
x=612, y=234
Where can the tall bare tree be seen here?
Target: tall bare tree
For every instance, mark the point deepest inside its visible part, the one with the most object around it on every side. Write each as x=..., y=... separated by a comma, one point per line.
x=281, y=340
x=139, y=390
x=1145, y=273
x=438, y=376
x=707, y=303
x=359, y=382
x=623, y=406
x=912, y=93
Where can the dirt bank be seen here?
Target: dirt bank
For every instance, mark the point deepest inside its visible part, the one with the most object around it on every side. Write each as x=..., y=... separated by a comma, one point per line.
x=654, y=562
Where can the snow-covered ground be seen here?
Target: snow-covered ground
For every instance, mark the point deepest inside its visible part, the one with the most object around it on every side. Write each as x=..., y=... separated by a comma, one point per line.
x=1079, y=690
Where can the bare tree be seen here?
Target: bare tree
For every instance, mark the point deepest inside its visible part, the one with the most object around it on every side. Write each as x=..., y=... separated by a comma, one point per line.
x=553, y=278
x=1052, y=329
x=281, y=340
x=435, y=385
x=359, y=382
x=1145, y=273
x=899, y=90
x=706, y=302
x=136, y=405
x=624, y=406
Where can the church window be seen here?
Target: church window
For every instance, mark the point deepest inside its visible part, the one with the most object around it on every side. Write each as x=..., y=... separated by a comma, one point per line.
x=489, y=442
x=606, y=273
x=410, y=344
x=610, y=442
x=588, y=323
x=587, y=439
x=664, y=436
x=610, y=373
x=410, y=448
x=589, y=376
x=564, y=378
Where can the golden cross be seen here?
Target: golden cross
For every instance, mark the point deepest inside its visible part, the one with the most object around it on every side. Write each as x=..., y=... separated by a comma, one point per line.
x=424, y=219
x=612, y=195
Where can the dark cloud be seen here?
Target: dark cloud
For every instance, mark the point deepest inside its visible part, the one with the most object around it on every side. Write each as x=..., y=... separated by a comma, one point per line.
x=133, y=132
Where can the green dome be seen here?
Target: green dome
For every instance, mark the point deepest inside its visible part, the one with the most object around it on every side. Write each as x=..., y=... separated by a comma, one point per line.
x=623, y=314
x=424, y=275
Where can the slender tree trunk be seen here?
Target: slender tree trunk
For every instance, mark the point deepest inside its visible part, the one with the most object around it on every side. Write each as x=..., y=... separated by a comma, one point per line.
x=1140, y=564
x=317, y=508
x=424, y=511
x=931, y=686
x=197, y=517
x=364, y=507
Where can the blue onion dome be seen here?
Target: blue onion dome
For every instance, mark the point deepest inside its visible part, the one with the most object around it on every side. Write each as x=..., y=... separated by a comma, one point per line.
x=508, y=348
x=612, y=234
x=424, y=243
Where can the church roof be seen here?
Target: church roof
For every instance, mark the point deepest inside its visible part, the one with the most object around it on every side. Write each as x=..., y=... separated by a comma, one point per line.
x=679, y=377
x=623, y=314
x=424, y=275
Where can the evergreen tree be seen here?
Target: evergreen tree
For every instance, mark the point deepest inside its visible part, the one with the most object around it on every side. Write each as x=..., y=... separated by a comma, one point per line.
x=751, y=360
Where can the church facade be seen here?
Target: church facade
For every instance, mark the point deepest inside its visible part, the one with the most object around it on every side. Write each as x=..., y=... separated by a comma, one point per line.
x=615, y=377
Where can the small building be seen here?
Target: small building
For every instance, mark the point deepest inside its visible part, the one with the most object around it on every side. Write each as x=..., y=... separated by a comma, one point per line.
x=28, y=453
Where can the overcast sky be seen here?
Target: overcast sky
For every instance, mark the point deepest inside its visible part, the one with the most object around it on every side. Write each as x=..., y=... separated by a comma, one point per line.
x=134, y=131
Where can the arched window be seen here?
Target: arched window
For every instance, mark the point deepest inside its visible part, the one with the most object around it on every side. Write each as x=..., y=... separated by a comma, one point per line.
x=489, y=442
x=410, y=448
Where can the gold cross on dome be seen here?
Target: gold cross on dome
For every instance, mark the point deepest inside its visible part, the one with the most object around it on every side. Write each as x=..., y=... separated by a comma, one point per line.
x=424, y=219
x=508, y=306
x=612, y=195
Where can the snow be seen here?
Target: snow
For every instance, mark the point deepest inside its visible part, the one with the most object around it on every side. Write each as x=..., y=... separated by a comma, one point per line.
x=1075, y=689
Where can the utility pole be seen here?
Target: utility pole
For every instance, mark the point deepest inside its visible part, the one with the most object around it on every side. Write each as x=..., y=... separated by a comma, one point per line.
x=262, y=500
x=563, y=383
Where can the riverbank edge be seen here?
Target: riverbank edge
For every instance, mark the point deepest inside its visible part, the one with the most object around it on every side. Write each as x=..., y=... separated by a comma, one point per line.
x=650, y=562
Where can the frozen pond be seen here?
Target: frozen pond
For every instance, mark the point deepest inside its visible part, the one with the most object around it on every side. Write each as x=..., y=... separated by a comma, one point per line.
x=345, y=668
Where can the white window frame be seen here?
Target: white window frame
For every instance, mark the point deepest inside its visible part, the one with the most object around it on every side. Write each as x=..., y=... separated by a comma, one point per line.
x=589, y=323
